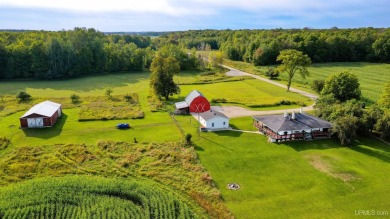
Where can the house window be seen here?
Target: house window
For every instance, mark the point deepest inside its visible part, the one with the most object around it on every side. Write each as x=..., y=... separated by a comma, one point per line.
x=224, y=123
x=212, y=124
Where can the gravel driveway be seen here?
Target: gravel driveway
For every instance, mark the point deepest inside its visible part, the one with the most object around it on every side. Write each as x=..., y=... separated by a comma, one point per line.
x=236, y=111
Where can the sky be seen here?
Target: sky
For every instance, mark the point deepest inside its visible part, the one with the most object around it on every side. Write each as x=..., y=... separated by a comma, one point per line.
x=173, y=15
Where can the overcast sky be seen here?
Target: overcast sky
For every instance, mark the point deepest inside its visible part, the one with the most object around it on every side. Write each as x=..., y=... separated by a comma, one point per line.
x=169, y=15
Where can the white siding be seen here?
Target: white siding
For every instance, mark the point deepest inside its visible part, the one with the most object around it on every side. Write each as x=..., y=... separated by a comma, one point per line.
x=218, y=123
x=34, y=122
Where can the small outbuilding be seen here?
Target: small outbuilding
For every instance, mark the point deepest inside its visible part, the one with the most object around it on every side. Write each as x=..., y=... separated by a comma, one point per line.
x=195, y=102
x=213, y=120
x=292, y=127
x=42, y=115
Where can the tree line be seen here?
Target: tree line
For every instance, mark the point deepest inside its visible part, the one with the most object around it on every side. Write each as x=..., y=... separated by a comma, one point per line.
x=72, y=53
x=261, y=47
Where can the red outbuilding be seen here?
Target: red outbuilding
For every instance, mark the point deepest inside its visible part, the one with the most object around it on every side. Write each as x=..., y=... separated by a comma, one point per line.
x=195, y=102
x=44, y=114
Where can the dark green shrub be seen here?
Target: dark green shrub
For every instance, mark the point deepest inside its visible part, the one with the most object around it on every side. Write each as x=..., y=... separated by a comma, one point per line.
x=23, y=96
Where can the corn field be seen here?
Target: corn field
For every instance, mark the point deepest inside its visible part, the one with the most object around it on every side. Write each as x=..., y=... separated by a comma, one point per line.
x=91, y=197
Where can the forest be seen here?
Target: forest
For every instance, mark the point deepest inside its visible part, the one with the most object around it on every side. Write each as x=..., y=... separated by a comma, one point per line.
x=66, y=54
x=261, y=47
x=71, y=53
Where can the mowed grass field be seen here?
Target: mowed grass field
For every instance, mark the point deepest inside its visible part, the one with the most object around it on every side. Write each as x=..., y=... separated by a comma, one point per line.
x=247, y=93
x=372, y=76
x=305, y=179
x=155, y=127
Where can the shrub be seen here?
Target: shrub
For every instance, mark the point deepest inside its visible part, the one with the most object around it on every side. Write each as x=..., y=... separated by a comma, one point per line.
x=188, y=138
x=108, y=92
x=23, y=96
x=318, y=85
x=128, y=98
x=4, y=142
x=75, y=98
x=272, y=74
x=219, y=100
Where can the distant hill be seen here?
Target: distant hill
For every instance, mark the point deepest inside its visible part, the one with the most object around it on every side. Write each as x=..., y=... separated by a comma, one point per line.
x=151, y=34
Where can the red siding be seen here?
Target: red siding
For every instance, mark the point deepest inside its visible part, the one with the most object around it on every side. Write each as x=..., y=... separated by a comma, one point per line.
x=23, y=123
x=46, y=121
x=199, y=105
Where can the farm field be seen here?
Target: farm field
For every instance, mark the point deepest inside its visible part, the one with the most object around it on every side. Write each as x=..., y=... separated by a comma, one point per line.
x=324, y=179
x=372, y=76
x=90, y=197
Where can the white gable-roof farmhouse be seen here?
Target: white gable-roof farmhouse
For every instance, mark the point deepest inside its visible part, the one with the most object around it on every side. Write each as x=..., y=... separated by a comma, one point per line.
x=213, y=120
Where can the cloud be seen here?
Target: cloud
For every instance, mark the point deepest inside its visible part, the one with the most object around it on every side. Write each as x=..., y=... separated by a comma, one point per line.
x=162, y=6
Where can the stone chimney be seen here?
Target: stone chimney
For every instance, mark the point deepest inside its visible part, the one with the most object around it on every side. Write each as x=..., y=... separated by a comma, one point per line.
x=293, y=115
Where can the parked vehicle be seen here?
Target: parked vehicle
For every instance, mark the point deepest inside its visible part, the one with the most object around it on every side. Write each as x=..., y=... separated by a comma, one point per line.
x=123, y=126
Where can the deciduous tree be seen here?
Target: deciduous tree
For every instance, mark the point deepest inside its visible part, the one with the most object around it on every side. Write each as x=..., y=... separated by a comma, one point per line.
x=293, y=61
x=161, y=80
x=343, y=86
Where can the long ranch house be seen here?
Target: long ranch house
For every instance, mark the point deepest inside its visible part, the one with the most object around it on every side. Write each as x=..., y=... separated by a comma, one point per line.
x=292, y=127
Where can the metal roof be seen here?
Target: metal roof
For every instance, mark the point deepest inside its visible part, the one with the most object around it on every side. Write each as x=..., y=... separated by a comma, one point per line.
x=194, y=94
x=181, y=105
x=211, y=114
x=46, y=108
x=302, y=121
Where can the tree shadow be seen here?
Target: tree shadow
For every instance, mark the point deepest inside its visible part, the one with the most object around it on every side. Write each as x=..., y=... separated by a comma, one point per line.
x=372, y=147
x=229, y=133
x=48, y=132
x=215, y=143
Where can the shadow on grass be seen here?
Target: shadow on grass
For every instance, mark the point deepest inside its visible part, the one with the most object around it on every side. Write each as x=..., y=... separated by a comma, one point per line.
x=216, y=143
x=318, y=144
x=197, y=147
x=373, y=147
x=373, y=153
x=229, y=133
x=49, y=132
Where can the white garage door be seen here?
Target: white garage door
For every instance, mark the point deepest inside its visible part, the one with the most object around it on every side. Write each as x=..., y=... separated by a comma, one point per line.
x=35, y=122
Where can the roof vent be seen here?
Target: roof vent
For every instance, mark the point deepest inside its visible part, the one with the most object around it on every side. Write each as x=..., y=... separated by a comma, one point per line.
x=293, y=115
x=300, y=110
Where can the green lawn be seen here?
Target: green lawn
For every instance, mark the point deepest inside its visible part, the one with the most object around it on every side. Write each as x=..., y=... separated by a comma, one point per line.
x=286, y=180
x=372, y=76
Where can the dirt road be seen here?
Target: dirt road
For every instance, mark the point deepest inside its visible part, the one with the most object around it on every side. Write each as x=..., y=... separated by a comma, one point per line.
x=236, y=111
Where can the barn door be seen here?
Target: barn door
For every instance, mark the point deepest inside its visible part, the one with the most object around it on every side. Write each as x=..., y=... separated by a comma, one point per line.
x=200, y=107
x=35, y=122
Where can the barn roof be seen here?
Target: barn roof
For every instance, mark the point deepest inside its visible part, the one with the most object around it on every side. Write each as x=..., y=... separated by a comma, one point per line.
x=211, y=114
x=181, y=105
x=194, y=94
x=46, y=108
x=302, y=121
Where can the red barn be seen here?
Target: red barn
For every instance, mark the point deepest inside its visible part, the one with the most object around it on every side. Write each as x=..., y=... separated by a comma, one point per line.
x=195, y=102
x=44, y=114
